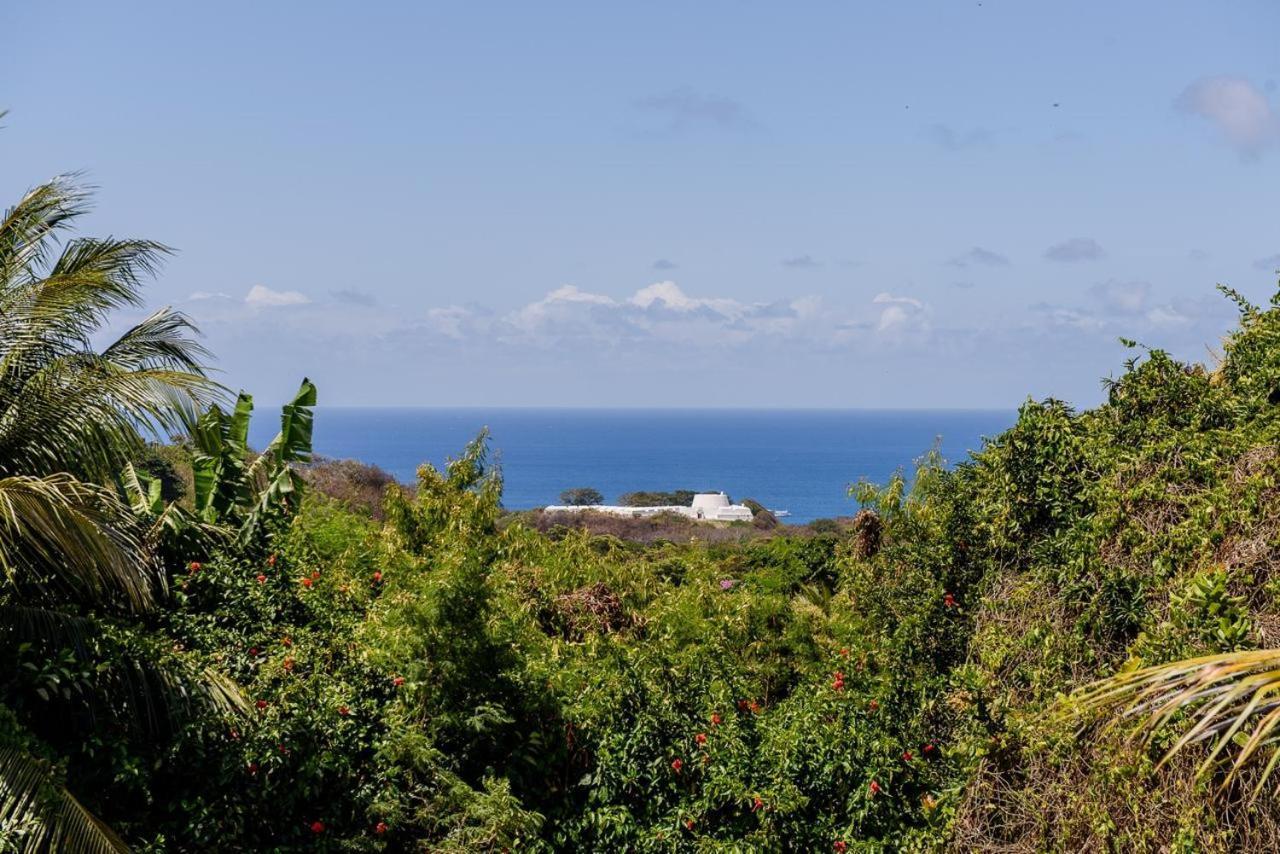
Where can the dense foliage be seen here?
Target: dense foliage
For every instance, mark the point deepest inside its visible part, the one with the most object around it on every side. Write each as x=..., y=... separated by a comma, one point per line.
x=201, y=653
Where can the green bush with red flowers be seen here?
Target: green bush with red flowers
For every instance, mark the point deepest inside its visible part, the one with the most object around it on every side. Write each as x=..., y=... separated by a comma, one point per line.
x=446, y=678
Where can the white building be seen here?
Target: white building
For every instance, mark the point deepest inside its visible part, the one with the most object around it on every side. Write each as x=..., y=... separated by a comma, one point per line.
x=707, y=507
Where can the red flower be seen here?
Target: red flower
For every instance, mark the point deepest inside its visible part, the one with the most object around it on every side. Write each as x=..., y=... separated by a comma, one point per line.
x=701, y=738
x=754, y=707
x=317, y=827
x=262, y=579
x=271, y=560
x=929, y=748
x=253, y=651
x=756, y=804
x=874, y=788
x=949, y=600
x=288, y=664
x=306, y=582
x=873, y=706
x=380, y=828
x=286, y=641
x=840, y=846
x=906, y=756
x=283, y=750
x=688, y=824
x=253, y=767
x=261, y=704
x=398, y=681
x=344, y=711
x=676, y=765
x=195, y=566
x=837, y=682
x=377, y=577
x=316, y=574
x=715, y=719
x=844, y=651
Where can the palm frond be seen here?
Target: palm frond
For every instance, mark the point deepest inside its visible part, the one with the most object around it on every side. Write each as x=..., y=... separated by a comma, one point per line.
x=78, y=532
x=1221, y=699
x=29, y=229
x=65, y=407
x=53, y=820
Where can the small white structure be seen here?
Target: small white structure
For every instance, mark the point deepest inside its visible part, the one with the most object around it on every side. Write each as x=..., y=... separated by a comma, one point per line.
x=706, y=507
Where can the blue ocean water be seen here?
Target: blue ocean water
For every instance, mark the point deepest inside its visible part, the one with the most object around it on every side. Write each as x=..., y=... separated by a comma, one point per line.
x=797, y=460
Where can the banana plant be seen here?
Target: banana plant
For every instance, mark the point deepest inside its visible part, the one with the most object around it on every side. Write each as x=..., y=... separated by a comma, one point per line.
x=234, y=491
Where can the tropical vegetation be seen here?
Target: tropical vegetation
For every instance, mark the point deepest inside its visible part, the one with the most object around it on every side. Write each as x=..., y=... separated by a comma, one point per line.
x=1064, y=642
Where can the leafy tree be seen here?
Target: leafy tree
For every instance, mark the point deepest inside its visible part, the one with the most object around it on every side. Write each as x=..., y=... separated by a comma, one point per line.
x=581, y=497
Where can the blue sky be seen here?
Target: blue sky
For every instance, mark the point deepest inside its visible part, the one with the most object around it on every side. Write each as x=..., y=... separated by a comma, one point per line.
x=670, y=204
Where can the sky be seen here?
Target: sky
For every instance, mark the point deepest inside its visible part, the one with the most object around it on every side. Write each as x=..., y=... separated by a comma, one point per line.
x=810, y=204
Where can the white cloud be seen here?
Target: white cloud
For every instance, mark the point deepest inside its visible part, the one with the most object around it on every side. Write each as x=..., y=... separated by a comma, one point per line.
x=260, y=296
x=450, y=321
x=1168, y=317
x=902, y=317
x=1122, y=297
x=1242, y=112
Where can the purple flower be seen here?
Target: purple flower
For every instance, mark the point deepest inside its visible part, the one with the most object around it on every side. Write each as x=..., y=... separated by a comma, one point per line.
x=728, y=583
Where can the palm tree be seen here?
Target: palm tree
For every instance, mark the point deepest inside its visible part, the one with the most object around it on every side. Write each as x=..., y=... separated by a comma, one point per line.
x=73, y=556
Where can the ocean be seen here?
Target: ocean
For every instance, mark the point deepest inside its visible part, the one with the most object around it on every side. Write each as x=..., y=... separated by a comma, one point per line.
x=802, y=461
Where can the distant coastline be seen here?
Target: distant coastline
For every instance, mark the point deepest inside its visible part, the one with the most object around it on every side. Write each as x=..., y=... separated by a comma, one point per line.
x=800, y=460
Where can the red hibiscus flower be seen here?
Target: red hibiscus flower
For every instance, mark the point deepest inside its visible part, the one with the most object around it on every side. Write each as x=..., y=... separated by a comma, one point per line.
x=701, y=738
x=307, y=582
x=715, y=719
x=261, y=704
x=840, y=846
x=344, y=711
x=377, y=577
x=949, y=600
x=756, y=804
x=253, y=651
x=688, y=824
x=873, y=706
x=317, y=827
x=676, y=765
x=288, y=664
x=874, y=788
x=906, y=756
x=380, y=828
x=194, y=566
x=398, y=681
x=262, y=579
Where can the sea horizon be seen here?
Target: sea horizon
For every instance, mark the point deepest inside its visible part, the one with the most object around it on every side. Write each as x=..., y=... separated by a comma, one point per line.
x=802, y=461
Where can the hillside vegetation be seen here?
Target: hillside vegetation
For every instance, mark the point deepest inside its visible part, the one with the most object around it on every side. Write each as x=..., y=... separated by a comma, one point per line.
x=218, y=656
